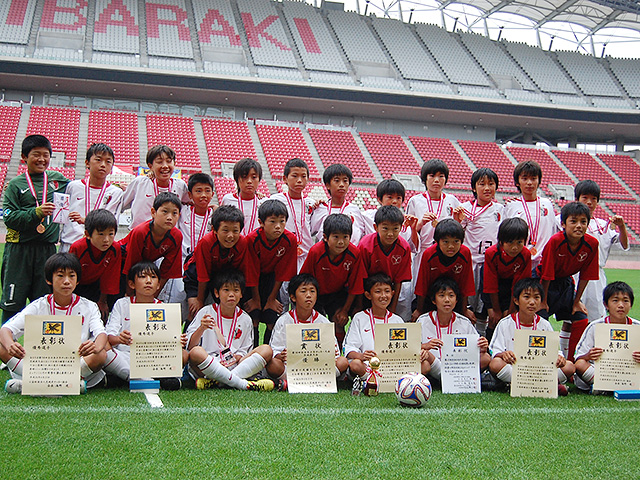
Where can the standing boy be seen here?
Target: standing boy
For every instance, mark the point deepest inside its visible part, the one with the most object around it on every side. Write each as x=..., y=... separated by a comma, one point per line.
x=195, y=219
x=247, y=173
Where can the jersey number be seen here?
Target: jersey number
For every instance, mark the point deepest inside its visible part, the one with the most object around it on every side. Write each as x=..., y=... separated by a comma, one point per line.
x=487, y=244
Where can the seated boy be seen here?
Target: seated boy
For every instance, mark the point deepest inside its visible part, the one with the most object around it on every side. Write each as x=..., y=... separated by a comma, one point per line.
x=588, y=192
x=219, y=249
x=247, y=173
x=505, y=264
x=100, y=257
x=618, y=298
x=337, y=178
x=386, y=252
x=449, y=257
x=273, y=252
x=527, y=295
x=359, y=344
x=158, y=238
x=220, y=341
x=144, y=280
x=567, y=253
x=303, y=293
x=444, y=293
x=62, y=271
x=337, y=265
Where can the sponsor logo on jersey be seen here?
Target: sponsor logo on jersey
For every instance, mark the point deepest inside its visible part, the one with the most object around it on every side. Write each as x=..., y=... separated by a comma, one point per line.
x=396, y=259
x=281, y=251
x=347, y=265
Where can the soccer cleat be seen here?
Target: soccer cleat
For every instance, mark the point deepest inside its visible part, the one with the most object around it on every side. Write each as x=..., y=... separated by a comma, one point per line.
x=83, y=387
x=171, y=383
x=13, y=385
x=562, y=390
x=205, y=383
x=282, y=386
x=263, y=385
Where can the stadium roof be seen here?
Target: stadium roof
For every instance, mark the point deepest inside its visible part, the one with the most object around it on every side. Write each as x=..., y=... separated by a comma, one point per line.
x=596, y=27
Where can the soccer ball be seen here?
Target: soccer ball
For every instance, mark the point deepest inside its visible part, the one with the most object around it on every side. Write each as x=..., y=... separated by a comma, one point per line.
x=413, y=390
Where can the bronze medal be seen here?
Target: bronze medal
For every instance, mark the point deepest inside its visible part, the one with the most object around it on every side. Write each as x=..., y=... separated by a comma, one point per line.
x=41, y=228
x=434, y=223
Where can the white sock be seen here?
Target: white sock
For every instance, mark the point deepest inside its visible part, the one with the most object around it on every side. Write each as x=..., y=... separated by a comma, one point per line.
x=212, y=369
x=250, y=366
x=587, y=376
x=562, y=378
x=14, y=365
x=85, y=371
x=505, y=374
x=436, y=369
x=337, y=372
x=117, y=365
x=564, y=343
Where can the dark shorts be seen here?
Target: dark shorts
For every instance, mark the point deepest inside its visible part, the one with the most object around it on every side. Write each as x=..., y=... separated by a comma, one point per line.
x=328, y=304
x=265, y=287
x=504, y=294
x=560, y=297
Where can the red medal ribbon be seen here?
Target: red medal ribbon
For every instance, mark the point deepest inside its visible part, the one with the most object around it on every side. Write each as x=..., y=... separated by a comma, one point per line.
x=45, y=186
x=302, y=216
x=254, y=213
x=87, y=197
x=294, y=315
x=608, y=320
x=516, y=318
x=430, y=204
x=472, y=214
x=601, y=231
x=232, y=331
x=195, y=240
x=372, y=321
x=156, y=188
x=52, y=304
x=533, y=228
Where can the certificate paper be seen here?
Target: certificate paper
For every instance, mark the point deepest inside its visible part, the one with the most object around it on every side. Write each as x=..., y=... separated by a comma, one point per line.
x=535, y=373
x=61, y=211
x=616, y=369
x=311, y=358
x=460, y=364
x=398, y=348
x=156, y=351
x=52, y=362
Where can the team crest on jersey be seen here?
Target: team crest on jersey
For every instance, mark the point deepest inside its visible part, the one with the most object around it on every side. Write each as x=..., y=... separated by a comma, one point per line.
x=347, y=265
x=396, y=259
x=450, y=210
x=52, y=328
x=619, y=335
x=537, y=342
x=54, y=184
x=238, y=333
x=497, y=216
x=280, y=251
x=516, y=267
x=457, y=268
x=582, y=256
x=460, y=342
x=397, y=334
x=545, y=211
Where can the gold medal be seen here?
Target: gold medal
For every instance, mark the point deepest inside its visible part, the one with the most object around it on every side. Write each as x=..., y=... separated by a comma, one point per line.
x=40, y=228
x=533, y=251
x=434, y=223
x=299, y=251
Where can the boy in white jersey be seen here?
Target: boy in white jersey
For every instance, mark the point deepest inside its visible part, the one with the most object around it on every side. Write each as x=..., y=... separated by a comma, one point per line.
x=588, y=192
x=142, y=191
x=536, y=211
x=527, y=295
x=90, y=194
x=359, y=343
x=480, y=219
x=337, y=178
x=247, y=173
x=430, y=207
x=444, y=293
x=618, y=298
x=303, y=293
x=62, y=271
x=144, y=280
x=195, y=219
x=220, y=342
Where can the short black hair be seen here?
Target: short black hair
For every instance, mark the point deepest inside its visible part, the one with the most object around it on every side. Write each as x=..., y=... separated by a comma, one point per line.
x=481, y=173
x=376, y=278
x=587, y=187
x=226, y=213
x=442, y=283
x=528, y=167
x=336, y=170
x=96, y=148
x=337, y=223
x=388, y=213
x=199, y=177
x=527, y=284
x=35, y=141
x=99, y=220
x=228, y=276
x=272, y=208
x=293, y=163
x=617, y=287
x=574, y=209
x=512, y=229
x=390, y=186
x=448, y=228
x=302, y=279
x=166, y=197
x=142, y=268
x=62, y=261
x=158, y=150
x=433, y=166
x=243, y=167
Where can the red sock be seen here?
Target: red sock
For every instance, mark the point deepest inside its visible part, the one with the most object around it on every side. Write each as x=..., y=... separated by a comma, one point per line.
x=577, y=328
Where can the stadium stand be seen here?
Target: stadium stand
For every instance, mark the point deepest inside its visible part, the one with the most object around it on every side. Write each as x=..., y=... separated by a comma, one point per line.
x=573, y=100
x=116, y=27
x=224, y=185
x=330, y=77
x=339, y=146
x=486, y=154
x=168, y=29
x=279, y=73
x=312, y=38
x=179, y=133
x=15, y=23
x=70, y=173
x=8, y=129
x=631, y=214
x=625, y=167
x=611, y=102
x=390, y=154
x=227, y=141
x=584, y=166
x=381, y=82
x=363, y=198
x=69, y=18
x=588, y=73
x=551, y=171
x=627, y=71
x=116, y=59
x=119, y=130
x=442, y=148
x=524, y=96
x=473, y=91
x=281, y=144
x=3, y=176
x=357, y=40
x=172, y=64
x=431, y=87
x=61, y=126
x=216, y=24
x=315, y=190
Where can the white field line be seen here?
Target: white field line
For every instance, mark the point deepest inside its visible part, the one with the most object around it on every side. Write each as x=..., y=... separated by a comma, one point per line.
x=426, y=411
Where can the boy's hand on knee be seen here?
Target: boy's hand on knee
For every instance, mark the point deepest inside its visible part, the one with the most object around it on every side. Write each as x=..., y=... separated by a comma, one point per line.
x=251, y=305
x=561, y=362
x=579, y=307
x=87, y=348
x=125, y=337
x=16, y=350
x=508, y=357
x=368, y=355
x=273, y=304
x=282, y=356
